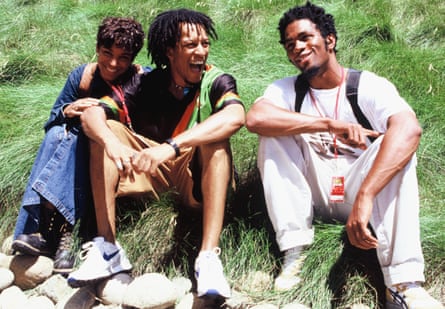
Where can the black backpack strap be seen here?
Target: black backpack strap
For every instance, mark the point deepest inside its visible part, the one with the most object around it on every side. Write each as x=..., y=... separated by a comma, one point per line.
x=301, y=88
x=352, y=81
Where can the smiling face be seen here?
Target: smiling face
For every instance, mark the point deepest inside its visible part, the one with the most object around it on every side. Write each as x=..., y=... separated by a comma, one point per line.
x=306, y=48
x=113, y=62
x=188, y=57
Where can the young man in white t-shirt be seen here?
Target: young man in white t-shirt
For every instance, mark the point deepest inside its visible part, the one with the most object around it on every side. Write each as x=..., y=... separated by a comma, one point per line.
x=319, y=160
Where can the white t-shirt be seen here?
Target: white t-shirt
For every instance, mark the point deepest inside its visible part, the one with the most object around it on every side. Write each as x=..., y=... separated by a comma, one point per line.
x=377, y=98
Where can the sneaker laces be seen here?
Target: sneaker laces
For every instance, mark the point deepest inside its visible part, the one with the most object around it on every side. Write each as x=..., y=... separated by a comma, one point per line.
x=408, y=294
x=293, y=261
x=66, y=241
x=294, y=267
x=215, y=252
x=291, y=255
x=86, y=248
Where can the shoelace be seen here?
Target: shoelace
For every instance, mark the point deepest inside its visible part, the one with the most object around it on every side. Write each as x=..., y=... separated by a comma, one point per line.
x=66, y=241
x=207, y=255
x=396, y=298
x=83, y=254
x=294, y=268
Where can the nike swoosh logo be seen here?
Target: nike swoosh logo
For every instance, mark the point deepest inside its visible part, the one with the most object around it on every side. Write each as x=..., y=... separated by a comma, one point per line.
x=108, y=257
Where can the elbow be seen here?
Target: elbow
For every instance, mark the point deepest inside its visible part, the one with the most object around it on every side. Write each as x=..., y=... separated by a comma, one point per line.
x=250, y=124
x=237, y=119
x=90, y=115
x=419, y=131
x=416, y=133
x=253, y=122
x=257, y=117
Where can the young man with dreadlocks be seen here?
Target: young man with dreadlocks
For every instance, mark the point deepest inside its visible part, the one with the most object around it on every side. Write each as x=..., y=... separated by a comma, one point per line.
x=181, y=122
x=58, y=191
x=317, y=159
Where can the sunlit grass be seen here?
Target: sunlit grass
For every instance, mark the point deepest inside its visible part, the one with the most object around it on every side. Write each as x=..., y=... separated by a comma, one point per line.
x=41, y=41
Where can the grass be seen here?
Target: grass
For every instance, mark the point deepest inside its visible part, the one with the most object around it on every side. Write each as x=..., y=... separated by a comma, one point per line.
x=42, y=40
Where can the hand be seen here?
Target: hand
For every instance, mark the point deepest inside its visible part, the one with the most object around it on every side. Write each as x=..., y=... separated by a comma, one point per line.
x=76, y=108
x=357, y=225
x=149, y=159
x=122, y=156
x=352, y=134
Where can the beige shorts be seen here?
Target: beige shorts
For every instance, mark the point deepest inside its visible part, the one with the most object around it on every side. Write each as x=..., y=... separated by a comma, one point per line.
x=174, y=175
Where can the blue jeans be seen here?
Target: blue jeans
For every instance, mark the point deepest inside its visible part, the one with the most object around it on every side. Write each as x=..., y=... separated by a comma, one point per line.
x=60, y=175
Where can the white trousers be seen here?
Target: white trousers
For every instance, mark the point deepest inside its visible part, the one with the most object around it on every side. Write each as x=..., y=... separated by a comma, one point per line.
x=297, y=183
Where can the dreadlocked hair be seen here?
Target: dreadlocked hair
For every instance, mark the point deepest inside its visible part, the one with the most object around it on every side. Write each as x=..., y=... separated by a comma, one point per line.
x=324, y=22
x=124, y=33
x=165, y=32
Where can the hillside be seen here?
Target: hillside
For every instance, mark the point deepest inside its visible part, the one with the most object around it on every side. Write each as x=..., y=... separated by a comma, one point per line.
x=402, y=40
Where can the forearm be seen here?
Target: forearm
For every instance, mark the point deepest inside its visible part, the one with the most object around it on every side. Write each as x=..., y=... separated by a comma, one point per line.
x=219, y=126
x=398, y=146
x=266, y=119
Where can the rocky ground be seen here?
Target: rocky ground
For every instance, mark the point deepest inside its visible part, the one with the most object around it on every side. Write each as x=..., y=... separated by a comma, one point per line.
x=29, y=282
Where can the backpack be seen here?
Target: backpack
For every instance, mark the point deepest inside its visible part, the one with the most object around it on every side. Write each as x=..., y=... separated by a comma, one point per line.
x=352, y=82
x=88, y=74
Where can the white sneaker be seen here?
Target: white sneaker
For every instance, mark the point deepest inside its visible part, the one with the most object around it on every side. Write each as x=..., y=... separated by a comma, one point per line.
x=289, y=275
x=209, y=275
x=410, y=296
x=102, y=259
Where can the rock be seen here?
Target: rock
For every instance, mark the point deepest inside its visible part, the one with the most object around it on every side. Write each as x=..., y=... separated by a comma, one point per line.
x=182, y=286
x=7, y=246
x=13, y=298
x=30, y=271
x=186, y=302
x=6, y=278
x=191, y=301
x=39, y=302
x=154, y=291
x=5, y=260
x=295, y=306
x=55, y=288
x=112, y=291
x=265, y=306
x=238, y=300
x=83, y=298
x=258, y=281
x=102, y=306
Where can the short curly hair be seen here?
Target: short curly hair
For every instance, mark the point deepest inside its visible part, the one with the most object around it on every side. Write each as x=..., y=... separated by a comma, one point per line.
x=123, y=32
x=165, y=32
x=323, y=21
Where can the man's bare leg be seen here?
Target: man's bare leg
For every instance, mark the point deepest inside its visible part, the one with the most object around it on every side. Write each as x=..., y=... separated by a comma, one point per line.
x=104, y=178
x=216, y=173
x=104, y=256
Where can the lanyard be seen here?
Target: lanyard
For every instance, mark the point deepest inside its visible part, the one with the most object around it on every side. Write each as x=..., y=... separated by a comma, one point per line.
x=120, y=94
x=314, y=102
